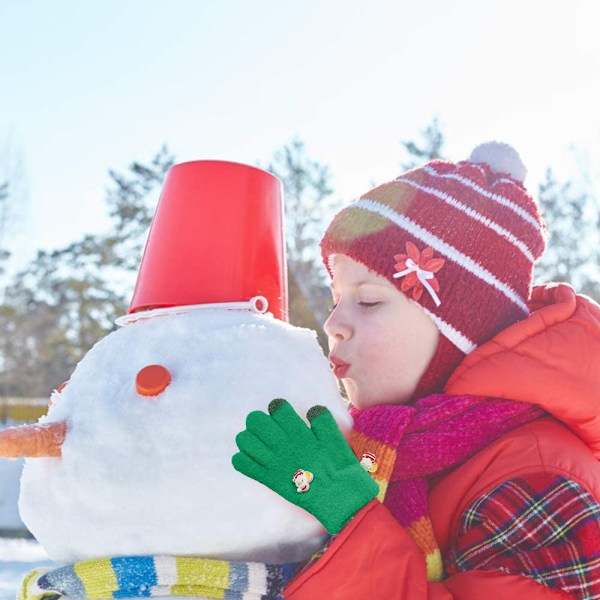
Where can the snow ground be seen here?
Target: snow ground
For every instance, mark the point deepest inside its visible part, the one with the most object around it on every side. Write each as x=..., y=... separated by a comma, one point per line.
x=17, y=558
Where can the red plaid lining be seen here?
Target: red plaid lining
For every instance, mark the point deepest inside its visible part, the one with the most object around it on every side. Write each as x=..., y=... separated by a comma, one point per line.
x=543, y=526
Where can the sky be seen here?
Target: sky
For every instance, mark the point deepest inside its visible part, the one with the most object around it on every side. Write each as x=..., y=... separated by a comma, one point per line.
x=90, y=86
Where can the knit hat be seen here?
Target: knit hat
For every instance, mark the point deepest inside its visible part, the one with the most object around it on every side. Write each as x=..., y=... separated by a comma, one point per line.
x=460, y=239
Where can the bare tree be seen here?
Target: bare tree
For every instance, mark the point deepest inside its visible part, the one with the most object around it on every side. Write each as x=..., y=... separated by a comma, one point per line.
x=13, y=196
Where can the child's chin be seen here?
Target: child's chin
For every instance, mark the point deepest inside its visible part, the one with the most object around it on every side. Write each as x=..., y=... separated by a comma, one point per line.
x=362, y=402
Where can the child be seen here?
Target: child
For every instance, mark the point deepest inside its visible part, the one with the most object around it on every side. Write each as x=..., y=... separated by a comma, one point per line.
x=475, y=401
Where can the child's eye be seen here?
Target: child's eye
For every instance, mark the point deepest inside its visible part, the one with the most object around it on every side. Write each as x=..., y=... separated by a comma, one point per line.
x=332, y=306
x=368, y=304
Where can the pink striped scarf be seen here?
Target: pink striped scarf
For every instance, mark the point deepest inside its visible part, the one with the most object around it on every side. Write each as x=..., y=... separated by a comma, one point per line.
x=413, y=443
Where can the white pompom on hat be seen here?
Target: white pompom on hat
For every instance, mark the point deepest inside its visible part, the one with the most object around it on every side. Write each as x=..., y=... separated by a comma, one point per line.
x=501, y=158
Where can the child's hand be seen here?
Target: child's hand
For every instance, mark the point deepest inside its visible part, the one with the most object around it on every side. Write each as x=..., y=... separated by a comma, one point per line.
x=312, y=467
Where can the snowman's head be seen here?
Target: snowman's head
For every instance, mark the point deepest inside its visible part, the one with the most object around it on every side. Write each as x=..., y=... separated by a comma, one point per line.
x=144, y=432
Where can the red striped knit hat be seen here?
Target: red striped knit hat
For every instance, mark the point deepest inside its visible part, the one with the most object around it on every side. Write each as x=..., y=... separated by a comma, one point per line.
x=460, y=239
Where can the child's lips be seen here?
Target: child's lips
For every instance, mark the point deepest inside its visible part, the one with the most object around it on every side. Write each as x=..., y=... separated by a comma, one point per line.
x=340, y=368
x=340, y=371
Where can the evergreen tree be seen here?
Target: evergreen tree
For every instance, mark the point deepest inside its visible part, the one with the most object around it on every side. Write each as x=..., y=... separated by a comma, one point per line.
x=308, y=209
x=65, y=300
x=429, y=148
x=132, y=198
x=572, y=215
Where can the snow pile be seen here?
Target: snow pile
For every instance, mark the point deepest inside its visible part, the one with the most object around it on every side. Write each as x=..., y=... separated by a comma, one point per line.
x=10, y=472
x=17, y=558
x=152, y=475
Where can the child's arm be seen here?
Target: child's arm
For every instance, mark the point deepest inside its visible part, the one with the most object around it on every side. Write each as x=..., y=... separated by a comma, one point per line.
x=541, y=525
x=374, y=557
x=536, y=537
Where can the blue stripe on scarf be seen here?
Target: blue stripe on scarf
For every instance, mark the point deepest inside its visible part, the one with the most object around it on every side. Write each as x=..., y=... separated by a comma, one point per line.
x=238, y=576
x=288, y=571
x=135, y=575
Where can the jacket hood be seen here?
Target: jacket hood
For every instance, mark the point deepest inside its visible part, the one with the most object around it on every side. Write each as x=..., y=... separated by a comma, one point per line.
x=551, y=359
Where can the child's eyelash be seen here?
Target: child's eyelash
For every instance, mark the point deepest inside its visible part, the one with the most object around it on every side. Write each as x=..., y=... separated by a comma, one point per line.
x=333, y=305
x=369, y=304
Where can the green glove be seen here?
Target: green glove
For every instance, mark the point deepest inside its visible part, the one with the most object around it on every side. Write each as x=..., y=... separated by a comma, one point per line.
x=312, y=467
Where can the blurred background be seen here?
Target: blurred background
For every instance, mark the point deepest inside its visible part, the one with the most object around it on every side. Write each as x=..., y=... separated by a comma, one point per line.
x=98, y=100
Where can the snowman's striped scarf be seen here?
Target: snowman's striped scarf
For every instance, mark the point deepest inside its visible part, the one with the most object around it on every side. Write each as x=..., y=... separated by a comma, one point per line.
x=137, y=576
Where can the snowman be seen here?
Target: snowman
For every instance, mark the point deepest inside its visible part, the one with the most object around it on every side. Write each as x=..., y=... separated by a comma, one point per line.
x=128, y=479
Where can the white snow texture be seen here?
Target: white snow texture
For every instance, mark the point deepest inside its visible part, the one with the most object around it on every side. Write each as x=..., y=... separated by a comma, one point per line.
x=153, y=475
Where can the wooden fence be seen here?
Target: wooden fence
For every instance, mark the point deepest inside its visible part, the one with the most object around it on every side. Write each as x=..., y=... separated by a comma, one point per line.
x=15, y=410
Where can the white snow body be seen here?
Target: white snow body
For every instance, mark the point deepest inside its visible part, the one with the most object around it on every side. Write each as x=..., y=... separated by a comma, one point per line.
x=152, y=475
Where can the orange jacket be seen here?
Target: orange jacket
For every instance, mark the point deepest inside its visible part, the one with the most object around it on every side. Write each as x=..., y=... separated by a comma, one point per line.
x=551, y=359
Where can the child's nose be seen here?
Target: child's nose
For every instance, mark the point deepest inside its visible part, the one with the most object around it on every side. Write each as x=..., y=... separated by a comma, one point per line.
x=336, y=326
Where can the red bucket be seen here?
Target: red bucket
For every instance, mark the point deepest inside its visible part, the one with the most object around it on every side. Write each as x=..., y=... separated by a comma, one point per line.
x=216, y=237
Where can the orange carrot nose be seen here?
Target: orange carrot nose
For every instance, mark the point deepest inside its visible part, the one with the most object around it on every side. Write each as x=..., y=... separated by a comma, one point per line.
x=33, y=441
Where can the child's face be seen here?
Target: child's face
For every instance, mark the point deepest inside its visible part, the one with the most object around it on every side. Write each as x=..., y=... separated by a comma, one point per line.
x=380, y=341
